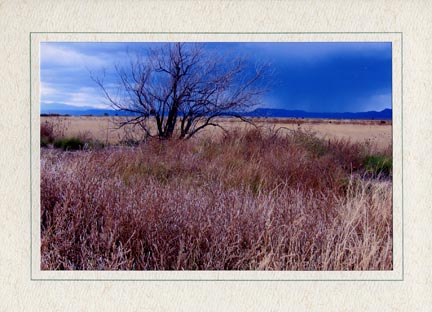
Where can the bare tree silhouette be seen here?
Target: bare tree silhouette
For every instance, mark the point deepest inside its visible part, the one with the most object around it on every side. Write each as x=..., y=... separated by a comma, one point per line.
x=182, y=89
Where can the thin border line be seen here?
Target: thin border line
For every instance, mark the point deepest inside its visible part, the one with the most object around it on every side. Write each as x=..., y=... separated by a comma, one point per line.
x=31, y=167
x=402, y=173
x=219, y=280
x=211, y=280
x=208, y=33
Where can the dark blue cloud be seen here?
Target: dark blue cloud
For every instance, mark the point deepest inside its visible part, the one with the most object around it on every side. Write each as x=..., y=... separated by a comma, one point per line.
x=312, y=76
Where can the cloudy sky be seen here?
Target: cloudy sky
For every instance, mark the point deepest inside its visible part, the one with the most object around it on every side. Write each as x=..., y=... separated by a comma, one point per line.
x=315, y=77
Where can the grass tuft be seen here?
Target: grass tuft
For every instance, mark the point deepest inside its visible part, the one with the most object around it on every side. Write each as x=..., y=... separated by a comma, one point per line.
x=378, y=165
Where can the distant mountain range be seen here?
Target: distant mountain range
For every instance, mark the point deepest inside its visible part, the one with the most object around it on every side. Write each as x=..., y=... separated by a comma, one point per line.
x=64, y=109
x=385, y=114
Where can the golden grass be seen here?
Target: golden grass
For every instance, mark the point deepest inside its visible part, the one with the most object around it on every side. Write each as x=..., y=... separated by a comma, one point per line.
x=104, y=129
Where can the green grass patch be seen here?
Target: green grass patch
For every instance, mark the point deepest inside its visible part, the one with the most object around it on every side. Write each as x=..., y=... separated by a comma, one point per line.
x=378, y=164
x=69, y=144
x=314, y=145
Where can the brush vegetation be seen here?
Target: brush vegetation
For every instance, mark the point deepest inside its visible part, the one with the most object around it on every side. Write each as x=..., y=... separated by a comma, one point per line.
x=246, y=201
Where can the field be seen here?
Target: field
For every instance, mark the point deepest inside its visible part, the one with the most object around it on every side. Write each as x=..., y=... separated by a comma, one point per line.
x=288, y=195
x=103, y=129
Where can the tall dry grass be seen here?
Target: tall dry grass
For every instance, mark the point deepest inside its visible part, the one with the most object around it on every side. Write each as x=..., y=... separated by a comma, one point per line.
x=248, y=201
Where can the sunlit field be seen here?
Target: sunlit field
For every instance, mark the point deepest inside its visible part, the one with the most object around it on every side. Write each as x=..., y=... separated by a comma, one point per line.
x=105, y=130
x=286, y=195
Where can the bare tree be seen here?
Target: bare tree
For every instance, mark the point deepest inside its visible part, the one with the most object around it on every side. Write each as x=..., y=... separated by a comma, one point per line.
x=182, y=89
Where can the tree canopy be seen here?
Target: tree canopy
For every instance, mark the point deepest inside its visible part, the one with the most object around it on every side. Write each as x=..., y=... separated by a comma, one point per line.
x=178, y=89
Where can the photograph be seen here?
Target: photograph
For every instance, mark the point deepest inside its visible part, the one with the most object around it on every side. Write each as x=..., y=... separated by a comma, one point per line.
x=216, y=156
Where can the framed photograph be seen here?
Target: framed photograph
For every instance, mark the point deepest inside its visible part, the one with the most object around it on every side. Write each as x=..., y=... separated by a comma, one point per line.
x=218, y=156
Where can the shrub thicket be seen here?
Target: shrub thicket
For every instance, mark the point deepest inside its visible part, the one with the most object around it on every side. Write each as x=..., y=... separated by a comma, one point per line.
x=46, y=133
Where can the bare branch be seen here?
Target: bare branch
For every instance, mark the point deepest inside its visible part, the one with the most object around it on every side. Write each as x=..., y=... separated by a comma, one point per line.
x=180, y=82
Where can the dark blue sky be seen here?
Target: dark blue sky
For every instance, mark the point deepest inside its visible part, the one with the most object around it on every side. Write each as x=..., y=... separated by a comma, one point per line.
x=310, y=76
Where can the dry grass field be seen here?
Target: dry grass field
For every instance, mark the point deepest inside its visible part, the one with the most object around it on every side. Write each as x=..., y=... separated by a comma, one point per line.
x=104, y=129
x=316, y=198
